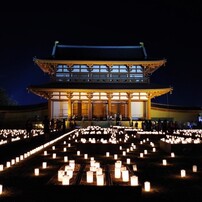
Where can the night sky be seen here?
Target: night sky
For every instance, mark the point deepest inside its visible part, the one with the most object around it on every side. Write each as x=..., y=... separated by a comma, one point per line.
x=168, y=30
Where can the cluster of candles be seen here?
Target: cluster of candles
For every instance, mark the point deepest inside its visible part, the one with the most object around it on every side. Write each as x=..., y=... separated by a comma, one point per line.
x=64, y=175
x=120, y=171
x=27, y=154
x=173, y=139
x=12, y=135
x=95, y=171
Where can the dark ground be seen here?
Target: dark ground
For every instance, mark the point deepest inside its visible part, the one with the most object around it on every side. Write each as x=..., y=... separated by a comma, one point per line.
x=20, y=184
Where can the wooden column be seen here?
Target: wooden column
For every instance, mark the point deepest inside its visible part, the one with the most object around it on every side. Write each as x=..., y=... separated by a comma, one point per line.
x=129, y=105
x=109, y=96
x=90, y=95
x=69, y=108
x=149, y=107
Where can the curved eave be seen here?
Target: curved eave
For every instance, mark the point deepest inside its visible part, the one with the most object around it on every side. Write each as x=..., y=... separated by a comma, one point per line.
x=47, y=93
x=49, y=66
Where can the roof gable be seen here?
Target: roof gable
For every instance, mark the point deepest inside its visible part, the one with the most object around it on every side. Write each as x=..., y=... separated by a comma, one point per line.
x=77, y=52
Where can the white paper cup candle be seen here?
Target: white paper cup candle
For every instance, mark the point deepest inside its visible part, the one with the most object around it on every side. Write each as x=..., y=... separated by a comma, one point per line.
x=147, y=186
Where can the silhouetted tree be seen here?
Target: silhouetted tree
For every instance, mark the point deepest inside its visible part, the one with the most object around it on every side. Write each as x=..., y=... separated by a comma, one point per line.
x=5, y=100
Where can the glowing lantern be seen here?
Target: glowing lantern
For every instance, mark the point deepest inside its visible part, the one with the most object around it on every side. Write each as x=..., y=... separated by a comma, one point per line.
x=125, y=175
x=1, y=167
x=172, y=154
x=36, y=171
x=65, y=180
x=85, y=156
x=44, y=165
x=100, y=179
x=8, y=164
x=60, y=174
x=164, y=161
x=147, y=186
x=134, y=180
x=183, y=173
x=89, y=176
x=194, y=168
x=1, y=188
x=134, y=167
x=107, y=154
x=65, y=158
x=128, y=161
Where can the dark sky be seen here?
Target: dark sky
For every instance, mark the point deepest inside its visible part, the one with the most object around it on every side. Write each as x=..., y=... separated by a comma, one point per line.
x=168, y=30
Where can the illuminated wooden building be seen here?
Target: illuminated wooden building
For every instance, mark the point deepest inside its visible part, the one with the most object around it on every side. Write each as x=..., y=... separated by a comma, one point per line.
x=99, y=82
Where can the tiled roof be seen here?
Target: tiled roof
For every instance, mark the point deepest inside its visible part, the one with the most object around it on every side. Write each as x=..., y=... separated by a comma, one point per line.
x=85, y=85
x=78, y=52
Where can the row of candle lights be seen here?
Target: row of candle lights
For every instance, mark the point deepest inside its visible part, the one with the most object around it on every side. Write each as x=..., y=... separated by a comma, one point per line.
x=100, y=177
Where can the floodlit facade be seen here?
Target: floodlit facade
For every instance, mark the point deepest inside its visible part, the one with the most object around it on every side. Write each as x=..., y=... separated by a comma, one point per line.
x=99, y=82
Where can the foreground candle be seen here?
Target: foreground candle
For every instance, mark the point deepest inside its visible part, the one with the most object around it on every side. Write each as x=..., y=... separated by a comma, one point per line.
x=134, y=180
x=183, y=173
x=194, y=168
x=125, y=175
x=44, y=165
x=1, y=188
x=164, y=161
x=89, y=176
x=100, y=179
x=36, y=171
x=65, y=180
x=147, y=186
x=1, y=167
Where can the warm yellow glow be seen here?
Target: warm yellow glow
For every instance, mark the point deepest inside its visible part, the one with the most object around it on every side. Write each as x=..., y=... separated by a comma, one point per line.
x=117, y=172
x=8, y=164
x=125, y=175
x=172, y=154
x=65, y=180
x=134, y=167
x=1, y=188
x=164, y=161
x=100, y=179
x=134, y=180
x=141, y=155
x=183, y=173
x=36, y=171
x=128, y=160
x=147, y=186
x=98, y=171
x=107, y=154
x=60, y=174
x=89, y=176
x=65, y=158
x=44, y=164
x=194, y=168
